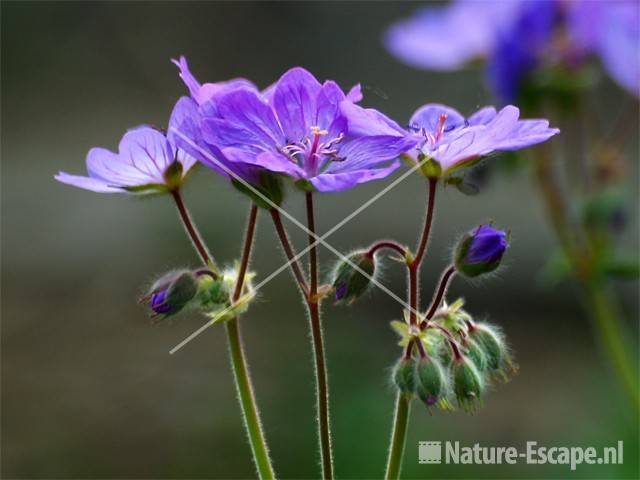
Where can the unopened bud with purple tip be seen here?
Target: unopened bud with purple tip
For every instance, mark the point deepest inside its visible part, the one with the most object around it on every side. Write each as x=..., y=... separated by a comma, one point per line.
x=431, y=385
x=172, y=292
x=352, y=278
x=480, y=251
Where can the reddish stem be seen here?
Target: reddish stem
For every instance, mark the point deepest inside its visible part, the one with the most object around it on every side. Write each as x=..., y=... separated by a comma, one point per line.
x=191, y=229
x=445, y=280
x=414, y=267
x=288, y=250
x=390, y=244
x=246, y=251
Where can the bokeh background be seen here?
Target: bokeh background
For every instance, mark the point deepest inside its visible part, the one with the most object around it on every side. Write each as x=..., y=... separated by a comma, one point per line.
x=88, y=387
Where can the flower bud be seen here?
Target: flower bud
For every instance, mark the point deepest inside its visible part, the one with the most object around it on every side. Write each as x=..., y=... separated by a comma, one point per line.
x=350, y=283
x=172, y=292
x=431, y=383
x=404, y=375
x=468, y=383
x=480, y=251
x=477, y=355
x=498, y=360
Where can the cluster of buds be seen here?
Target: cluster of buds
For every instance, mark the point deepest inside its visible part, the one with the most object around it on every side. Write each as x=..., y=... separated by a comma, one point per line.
x=201, y=290
x=455, y=358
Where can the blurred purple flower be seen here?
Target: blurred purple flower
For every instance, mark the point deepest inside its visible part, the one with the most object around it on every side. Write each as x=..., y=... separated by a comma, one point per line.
x=147, y=161
x=455, y=141
x=297, y=128
x=517, y=36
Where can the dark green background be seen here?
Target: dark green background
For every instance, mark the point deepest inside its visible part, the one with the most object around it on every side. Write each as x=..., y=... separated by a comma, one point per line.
x=88, y=387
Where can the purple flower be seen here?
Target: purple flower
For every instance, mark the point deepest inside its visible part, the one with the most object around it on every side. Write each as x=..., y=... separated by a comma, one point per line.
x=297, y=128
x=147, y=161
x=519, y=36
x=205, y=95
x=186, y=132
x=454, y=141
x=187, y=122
x=480, y=251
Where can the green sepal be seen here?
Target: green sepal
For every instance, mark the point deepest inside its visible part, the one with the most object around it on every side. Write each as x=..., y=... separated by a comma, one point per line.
x=404, y=376
x=468, y=384
x=305, y=185
x=147, y=189
x=429, y=167
x=269, y=186
x=431, y=384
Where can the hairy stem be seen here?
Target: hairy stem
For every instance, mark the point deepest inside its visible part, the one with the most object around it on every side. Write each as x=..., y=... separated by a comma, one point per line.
x=242, y=377
x=322, y=387
x=414, y=266
x=244, y=386
x=192, y=231
x=401, y=417
x=398, y=437
x=388, y=244
x=445, y=280
x=288, y=250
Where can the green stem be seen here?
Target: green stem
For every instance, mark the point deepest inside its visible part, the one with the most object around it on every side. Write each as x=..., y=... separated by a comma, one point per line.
x=398, y=437
x=244, y=385
x=251, y=415
x=403, y=402
x=322, y=386
x=606, y=320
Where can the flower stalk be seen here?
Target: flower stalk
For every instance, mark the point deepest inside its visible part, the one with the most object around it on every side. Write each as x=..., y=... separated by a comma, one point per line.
x=192, y=231
x=312, y=302
x=241, y=375
x=322, y=387
x=445, y=280
x=401, y=417
x=398, y=436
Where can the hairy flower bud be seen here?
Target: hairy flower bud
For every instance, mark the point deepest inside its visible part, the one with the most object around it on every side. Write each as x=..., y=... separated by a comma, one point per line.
x=498, y=360
x=172, y=292
x=468, y=383
x=477, y=355
x=350, y=283
x=431, y=383
x=480, y=251
x=404, y=375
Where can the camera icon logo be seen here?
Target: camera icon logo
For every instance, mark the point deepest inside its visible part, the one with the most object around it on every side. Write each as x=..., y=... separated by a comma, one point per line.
x=429, y=452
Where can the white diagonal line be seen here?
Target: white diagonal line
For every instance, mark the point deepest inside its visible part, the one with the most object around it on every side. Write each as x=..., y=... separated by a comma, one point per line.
x=303, y=227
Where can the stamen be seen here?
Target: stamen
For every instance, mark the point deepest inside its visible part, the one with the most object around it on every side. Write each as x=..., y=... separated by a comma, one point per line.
x=317, y=131
x=440, y=127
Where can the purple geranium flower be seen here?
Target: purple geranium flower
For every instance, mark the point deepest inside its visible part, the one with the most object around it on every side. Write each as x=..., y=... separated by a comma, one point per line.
x=186, y=132
x=519, y=36
x=297, y=128
x=147, y=161
x=455, y=141
x=205, y=95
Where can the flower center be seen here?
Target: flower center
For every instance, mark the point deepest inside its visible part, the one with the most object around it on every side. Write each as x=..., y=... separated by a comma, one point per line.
x=312, y=153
